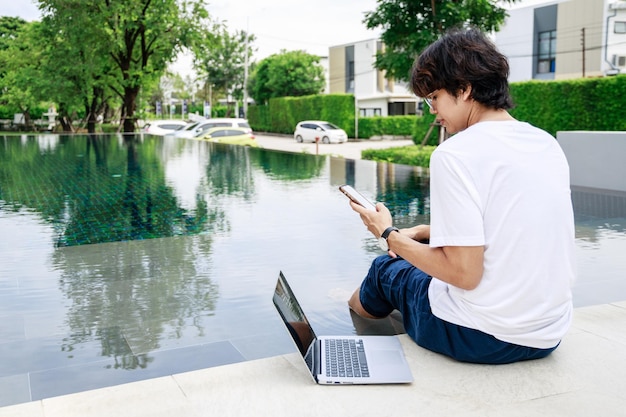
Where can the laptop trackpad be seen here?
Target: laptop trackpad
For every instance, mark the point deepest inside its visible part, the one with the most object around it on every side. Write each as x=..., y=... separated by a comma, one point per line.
x=387, y=357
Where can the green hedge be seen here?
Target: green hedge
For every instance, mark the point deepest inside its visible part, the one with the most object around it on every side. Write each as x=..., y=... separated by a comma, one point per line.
x=392, y=125
x=580, y=104
x=595, y=104
x=282, y=114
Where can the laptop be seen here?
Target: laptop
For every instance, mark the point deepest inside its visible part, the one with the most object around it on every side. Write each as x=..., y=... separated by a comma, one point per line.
x=350, y=359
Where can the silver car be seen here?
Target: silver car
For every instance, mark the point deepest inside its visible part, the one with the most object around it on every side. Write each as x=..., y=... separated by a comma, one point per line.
x=325, y=132
x=197, y=129
x=162, y=127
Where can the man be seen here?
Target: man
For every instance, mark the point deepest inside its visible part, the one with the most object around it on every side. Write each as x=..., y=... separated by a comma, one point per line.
x=493, y=283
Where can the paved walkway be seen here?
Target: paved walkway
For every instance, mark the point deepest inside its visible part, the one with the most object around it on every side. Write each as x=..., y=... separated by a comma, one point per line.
x=348, y=150
x=584, y=377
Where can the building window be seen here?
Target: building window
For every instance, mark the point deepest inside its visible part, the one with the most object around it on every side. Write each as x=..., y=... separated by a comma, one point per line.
x=401, y=108
x=350, y=88
x=620, y=27
x=547, y=52
x=369, y=111
x=350, y=69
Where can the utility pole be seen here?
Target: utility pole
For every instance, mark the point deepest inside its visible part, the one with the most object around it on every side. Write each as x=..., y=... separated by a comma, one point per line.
x=582, y=40
x=245, y=74
x=210, y=100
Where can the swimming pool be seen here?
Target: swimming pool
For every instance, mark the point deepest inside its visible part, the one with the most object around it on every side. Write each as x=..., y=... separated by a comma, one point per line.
x=127, y=259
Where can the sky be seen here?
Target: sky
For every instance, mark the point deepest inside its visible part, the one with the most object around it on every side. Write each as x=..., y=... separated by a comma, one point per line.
x=309, y=25
x=312, y=26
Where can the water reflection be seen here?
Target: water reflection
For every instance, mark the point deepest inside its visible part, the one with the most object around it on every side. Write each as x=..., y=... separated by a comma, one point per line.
x=93, y=189
x=286, y=165
x=131, y=296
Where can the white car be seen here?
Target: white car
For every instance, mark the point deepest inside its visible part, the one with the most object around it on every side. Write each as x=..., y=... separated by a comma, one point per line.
x=325, y=132
x=162, y=127
x=197, y=129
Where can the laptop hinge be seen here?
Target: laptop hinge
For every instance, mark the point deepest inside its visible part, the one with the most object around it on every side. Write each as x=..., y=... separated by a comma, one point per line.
x=317, y=357
x=312, y=358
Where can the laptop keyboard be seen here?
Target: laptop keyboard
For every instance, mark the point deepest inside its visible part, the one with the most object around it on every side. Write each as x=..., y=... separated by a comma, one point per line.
x=346, y=358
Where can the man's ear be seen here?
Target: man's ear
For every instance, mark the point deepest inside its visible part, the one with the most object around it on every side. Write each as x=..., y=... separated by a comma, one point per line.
x=466, y=93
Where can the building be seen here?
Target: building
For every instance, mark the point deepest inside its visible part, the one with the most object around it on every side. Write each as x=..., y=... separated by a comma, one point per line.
x=561, y=39
x=351, y=70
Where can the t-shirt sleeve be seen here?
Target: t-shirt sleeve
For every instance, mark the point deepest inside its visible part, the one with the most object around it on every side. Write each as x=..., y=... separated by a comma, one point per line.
x=455, y=203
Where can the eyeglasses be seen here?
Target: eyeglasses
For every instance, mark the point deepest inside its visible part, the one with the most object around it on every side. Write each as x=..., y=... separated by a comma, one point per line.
x=428, y=99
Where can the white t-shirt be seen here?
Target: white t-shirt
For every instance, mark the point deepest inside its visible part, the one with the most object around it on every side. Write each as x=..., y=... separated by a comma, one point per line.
x=505, y=185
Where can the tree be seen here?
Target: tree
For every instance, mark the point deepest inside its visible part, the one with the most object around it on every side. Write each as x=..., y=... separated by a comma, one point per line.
x=9, y=28
x=293, y=73
x=257, y=84
x=77, y=68
x=139, y=37
x=220, y=59
x=411, y=25
x=20, y=74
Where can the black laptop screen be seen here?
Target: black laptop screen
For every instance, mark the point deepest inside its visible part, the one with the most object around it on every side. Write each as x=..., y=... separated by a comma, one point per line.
x=292, y=315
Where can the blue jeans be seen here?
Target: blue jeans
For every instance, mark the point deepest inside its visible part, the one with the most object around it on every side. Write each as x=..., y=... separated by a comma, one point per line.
x=393, y=283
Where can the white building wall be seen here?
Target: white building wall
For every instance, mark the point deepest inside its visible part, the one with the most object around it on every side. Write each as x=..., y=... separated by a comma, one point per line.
x=364, y=71
x=372, y=91
x=616, y=43
x=516, y=37
x=402, y=89
x=515, y=41
x=374, y=103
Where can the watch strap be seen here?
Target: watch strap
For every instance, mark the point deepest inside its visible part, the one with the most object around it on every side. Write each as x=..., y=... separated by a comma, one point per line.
x=388, y=231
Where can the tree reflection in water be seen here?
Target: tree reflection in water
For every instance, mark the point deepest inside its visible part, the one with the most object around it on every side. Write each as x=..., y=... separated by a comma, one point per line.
x=126, y=292
x=132, y=295
x=135, y=260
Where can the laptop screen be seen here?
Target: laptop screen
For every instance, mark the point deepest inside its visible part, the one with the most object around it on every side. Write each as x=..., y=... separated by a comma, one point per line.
x=292, y=315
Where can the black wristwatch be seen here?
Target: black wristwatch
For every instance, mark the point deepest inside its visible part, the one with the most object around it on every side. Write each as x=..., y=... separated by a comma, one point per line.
x=382, y=240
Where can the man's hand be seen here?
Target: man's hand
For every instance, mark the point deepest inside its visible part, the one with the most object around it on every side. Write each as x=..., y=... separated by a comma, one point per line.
x=375, y=221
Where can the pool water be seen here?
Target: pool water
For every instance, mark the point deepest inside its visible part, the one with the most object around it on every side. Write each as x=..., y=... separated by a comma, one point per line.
x=127, y=258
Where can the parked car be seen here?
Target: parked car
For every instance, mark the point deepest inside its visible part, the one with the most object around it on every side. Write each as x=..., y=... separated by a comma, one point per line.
x=197, y=129
x=308, y=130
x=230, y=135
x=162, y=127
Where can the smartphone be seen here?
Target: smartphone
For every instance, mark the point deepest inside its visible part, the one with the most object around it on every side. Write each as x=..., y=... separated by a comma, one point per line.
x=357, y=197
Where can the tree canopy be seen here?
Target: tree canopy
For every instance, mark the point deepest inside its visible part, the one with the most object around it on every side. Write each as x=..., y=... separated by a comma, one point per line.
x=20, y=65
x=289, y=73
x=132, y=42
x=9, y=27
x=220, y=59
x=409, y=26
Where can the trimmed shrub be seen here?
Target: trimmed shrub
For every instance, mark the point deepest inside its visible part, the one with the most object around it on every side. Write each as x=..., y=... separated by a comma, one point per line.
x=407, y=155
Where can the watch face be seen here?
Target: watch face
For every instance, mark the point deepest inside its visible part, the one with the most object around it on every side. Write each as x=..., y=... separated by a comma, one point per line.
x=382, y=242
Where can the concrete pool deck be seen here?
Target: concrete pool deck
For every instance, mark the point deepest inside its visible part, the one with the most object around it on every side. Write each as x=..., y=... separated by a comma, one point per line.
x=585, y=376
